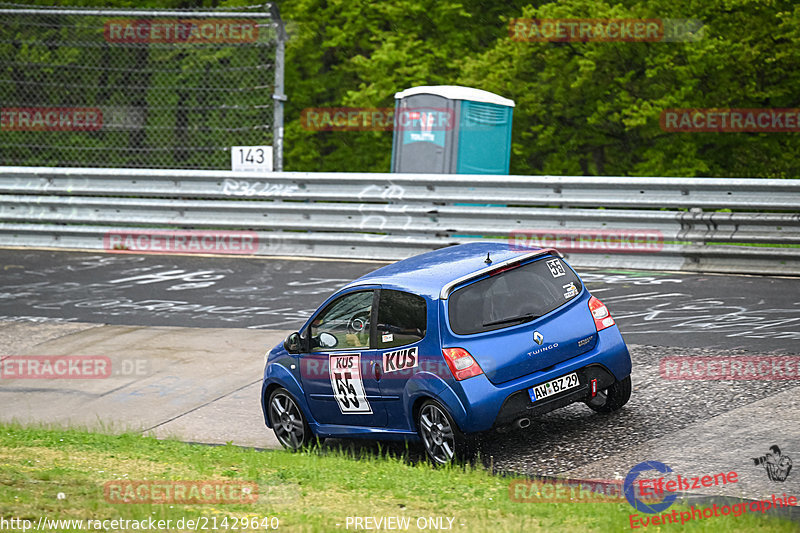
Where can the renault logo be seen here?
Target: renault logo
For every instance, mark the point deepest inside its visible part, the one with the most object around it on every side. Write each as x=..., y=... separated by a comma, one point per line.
x=538, y=337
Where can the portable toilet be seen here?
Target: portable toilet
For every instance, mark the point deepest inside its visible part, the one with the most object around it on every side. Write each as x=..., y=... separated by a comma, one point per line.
x=447, y=129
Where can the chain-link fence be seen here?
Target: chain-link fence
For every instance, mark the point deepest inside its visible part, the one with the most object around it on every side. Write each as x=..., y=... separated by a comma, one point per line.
x=139, y=88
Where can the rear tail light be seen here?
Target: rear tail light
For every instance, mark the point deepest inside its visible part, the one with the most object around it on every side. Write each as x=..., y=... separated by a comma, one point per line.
x=461, y=363
x=602, y=318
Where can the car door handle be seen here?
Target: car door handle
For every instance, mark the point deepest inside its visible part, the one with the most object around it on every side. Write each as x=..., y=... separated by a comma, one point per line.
x=376, y=370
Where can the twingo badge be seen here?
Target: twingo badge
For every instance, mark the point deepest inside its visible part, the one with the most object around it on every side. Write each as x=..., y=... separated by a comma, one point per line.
x=400, y=359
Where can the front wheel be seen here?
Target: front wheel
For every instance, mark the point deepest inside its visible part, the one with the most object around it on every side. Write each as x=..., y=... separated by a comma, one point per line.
x=613, y=398
x=287, y=420
x=443, y=441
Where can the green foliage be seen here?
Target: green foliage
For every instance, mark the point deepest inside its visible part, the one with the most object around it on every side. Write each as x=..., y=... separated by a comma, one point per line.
x=588, y=108
x=359, y=53
x=308, y=491
x=581, y=108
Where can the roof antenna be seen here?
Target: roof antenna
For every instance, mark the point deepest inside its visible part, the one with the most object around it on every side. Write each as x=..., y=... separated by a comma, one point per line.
x=488, y=259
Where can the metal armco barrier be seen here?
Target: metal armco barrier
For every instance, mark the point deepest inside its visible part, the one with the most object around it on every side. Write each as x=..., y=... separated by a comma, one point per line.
x=694, y=224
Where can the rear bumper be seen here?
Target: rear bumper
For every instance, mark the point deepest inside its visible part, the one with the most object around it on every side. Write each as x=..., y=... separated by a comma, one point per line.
x=489, y=406
x=519, y=404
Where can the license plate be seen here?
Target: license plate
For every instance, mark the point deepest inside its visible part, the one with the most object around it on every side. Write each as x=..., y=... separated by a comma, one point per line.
x=554, y=386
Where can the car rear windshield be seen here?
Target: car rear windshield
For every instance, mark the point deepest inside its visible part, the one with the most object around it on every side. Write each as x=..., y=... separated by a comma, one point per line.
x=513, y=296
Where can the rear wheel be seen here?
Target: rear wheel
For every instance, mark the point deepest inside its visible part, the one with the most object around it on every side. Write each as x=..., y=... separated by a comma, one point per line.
x=613, y=398
x=287, y=420
x=444, y=442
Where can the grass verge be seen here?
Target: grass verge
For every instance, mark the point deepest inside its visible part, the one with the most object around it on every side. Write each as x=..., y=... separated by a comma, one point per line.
x=61, y=474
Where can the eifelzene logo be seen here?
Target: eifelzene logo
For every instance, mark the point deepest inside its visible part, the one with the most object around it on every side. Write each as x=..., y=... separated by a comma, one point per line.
x=776, y=464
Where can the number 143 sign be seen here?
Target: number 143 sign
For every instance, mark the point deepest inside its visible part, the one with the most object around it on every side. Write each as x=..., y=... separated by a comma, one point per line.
x=253, y=158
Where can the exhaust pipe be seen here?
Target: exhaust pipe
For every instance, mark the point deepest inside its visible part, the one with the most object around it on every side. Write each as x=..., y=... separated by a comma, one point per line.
x=522, y=423
x=516, y=424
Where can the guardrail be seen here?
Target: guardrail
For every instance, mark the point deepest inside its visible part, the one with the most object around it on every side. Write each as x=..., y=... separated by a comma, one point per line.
x=658, y=223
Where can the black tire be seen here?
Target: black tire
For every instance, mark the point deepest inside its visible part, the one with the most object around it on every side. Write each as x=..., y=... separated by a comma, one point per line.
x=443, y=441
x=616, y=395
x=287, y=420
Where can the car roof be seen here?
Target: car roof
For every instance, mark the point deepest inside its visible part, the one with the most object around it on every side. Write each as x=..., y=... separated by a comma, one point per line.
x=426, y=274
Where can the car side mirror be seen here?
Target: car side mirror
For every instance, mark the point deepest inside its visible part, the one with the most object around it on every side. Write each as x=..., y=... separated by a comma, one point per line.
x=292, y=343
x=327, y=340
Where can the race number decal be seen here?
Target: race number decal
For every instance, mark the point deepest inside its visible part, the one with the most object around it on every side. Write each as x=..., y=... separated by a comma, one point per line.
x=556, y=268
x=348, y=389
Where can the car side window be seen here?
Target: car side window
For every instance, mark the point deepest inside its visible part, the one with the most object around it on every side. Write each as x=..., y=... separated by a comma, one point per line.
x=344, y=325
x=402, y=318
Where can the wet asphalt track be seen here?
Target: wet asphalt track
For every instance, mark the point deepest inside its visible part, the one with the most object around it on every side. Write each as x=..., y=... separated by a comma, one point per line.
x=659, y=314
x=760, y=314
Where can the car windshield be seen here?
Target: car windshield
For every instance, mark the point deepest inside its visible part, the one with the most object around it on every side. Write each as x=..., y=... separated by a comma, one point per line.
x=512, y=297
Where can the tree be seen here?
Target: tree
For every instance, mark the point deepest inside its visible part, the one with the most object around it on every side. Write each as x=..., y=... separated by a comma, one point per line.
x=593, y=108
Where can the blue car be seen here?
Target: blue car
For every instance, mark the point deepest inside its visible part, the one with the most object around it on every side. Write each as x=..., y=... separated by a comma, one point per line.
x=444, y=346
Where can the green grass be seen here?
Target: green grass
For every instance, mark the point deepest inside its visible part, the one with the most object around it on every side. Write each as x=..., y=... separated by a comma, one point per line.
x=309, y=491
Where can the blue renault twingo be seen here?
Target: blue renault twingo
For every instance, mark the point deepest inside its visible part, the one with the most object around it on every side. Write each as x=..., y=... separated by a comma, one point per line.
x=445, y=345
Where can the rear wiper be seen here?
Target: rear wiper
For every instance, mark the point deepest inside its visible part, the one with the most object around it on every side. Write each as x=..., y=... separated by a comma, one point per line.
x=522, y=318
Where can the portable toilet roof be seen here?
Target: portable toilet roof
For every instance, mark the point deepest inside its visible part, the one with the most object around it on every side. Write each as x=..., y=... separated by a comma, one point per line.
x=456, y=92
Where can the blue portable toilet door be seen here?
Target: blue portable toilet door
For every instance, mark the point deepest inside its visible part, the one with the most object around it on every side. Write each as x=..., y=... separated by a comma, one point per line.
x=484, y=141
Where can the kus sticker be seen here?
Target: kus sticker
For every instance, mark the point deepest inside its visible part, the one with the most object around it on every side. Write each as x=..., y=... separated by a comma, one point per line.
x=400, y=359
